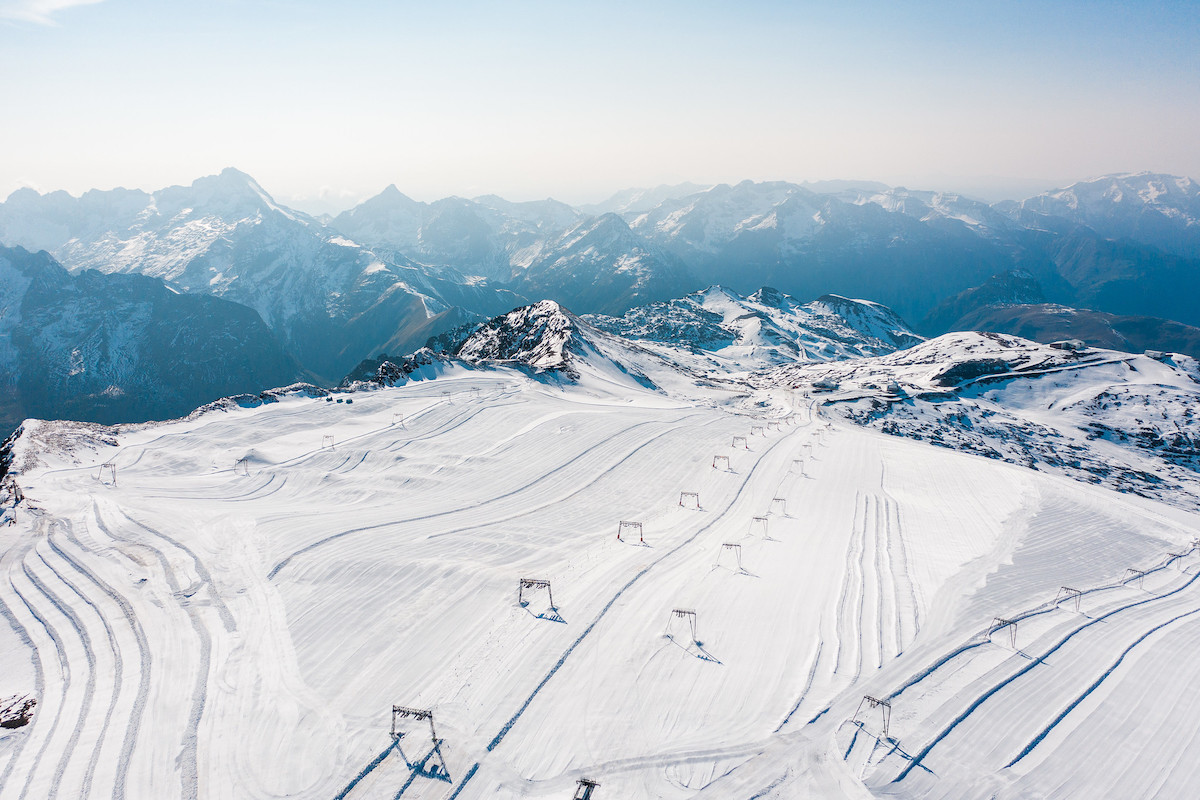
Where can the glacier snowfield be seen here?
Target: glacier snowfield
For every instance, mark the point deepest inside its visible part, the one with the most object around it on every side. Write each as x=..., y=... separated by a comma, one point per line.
x=233, y=609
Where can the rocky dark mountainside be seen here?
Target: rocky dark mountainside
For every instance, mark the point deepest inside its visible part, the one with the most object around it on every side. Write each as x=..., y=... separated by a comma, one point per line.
x=122, y=348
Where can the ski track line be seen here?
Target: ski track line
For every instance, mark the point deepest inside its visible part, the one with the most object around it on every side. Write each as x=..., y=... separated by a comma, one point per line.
x=604, y=611
x=253, y=493
x=1032, y=663
x=859, y=605
x=256, y=494
x=971, y=645
x=89, y=686
x=188, y=757
x=812, y=674
x=117, y=676
x=881, y=580
x=1083, y=696
x=673, y=758
x=133, y=726
x=841, y=638
x=475, y=506
x=866, y=585
x=65, y=669
x=857, y=598
x=457, y=420
x=890, y=621
x=39, y=685
x=365, y=771
x=348, y=470
x=904, y=574
x=201, y=571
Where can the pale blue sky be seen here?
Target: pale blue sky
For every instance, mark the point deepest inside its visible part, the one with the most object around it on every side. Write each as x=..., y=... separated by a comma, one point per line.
x=575, y=100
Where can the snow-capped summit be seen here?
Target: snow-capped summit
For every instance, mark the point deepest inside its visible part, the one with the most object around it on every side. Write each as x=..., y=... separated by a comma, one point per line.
x=766, y=328
x=936, y=207
x=231, y=194
x=1161, y=210
x=541, y=336
x=707, y=221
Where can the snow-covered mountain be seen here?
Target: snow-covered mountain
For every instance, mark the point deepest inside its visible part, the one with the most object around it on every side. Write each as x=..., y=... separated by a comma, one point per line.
x=937, y=208
x=122, y=348
x=809, y=244
x=486, y=236
x=548, y=342
x=766, y=328
x=489, y=581
x=1107, y=417
x=638, y=200
x=600, y=265
x=327, y=298
x=380, y=276
x=706, y=338
x=1151, y=208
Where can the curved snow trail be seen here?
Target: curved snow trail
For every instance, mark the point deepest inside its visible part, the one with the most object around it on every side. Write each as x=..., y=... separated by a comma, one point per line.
x=981, y=699
x=812, y=674
x=198, y=566
x=546, y=476
x=1084, y=695
x=39, y=684
x=458, y=420
x=907, y=625
x=500, y=735
x=560, y=498
x=137, y=711
x=56, y=701
x=116, y=675
x=188, y=757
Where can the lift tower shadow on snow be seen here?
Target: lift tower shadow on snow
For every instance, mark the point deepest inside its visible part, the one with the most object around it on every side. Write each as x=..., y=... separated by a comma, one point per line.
x=431, y=765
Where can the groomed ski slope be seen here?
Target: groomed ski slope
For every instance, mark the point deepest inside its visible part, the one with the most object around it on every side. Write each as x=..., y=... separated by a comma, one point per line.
x=201, y=630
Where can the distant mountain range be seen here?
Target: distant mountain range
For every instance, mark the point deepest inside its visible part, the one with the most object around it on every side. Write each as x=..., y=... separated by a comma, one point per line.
x=392, y=272
x=122, y=348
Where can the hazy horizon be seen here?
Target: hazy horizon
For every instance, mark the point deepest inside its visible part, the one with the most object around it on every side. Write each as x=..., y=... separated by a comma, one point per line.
x=326, y=106
x=318, y=203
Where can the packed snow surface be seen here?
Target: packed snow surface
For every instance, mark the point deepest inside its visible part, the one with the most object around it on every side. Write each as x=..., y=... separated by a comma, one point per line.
x=235, y=605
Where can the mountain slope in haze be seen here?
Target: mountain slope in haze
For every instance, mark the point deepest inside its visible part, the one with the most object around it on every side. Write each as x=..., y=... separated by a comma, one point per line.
x=1146, y=207
x=485, y=236
x=122, y=348
x=637, y=200
x=1046, y=322
x=601, y=266
x=809, y=244
x=1015, y=287
x=1116, y=276
x=328, y=299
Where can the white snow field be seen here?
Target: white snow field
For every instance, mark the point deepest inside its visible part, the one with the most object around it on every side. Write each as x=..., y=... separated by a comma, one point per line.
x=237, y=612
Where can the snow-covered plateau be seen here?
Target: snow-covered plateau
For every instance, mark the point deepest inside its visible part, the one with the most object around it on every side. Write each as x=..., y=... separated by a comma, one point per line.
x=556, y=555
